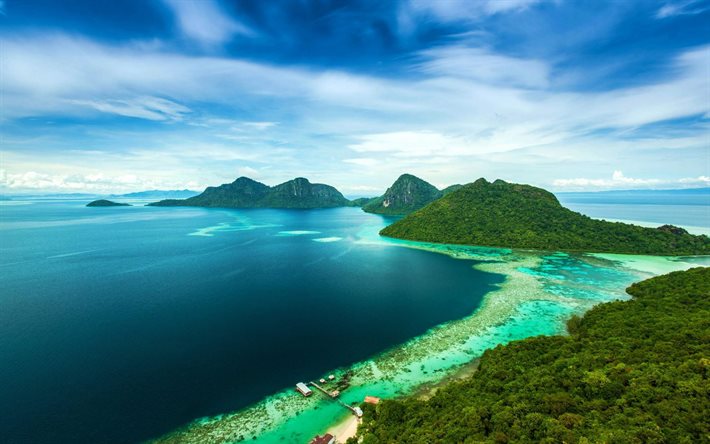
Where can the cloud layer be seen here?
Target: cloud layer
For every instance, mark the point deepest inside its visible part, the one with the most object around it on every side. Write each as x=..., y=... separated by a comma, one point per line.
x=186, y=110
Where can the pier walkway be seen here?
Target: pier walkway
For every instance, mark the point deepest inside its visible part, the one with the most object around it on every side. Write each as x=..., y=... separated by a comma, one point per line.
x=356, y=410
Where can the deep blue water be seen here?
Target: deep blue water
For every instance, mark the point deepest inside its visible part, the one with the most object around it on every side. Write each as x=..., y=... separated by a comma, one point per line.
x=120, y=324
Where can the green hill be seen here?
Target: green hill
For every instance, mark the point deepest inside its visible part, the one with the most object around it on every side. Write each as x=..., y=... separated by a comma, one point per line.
x=630, y=372
x=248, y=193
x=407, y=194
x=502, y=214
x=106, y=203
x=451, y=189
x=361, y=201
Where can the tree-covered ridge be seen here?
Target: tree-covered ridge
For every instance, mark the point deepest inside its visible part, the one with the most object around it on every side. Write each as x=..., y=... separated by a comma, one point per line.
x=502, y=214
x=407, y=194
x=361, y=201
x=248, y=193
x=106, y=203
x=630, y=372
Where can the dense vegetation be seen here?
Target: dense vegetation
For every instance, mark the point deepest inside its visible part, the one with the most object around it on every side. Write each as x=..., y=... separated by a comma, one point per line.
x=630, y=372
x=407, y=194
x=502, y=214
x=106, y=203
x=248, y=193
x=361, y=201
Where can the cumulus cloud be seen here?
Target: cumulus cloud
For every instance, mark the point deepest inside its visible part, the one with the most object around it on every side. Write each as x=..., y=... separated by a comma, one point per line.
x=32, y=180
x=619, y=180
x=93, y=182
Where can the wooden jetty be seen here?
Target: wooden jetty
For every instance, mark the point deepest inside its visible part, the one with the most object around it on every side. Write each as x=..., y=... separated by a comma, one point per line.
x=334, y=396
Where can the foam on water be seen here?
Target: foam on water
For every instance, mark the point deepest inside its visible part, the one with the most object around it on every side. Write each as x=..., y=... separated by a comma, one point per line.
x=239, y=224
x=297, y=233
x=328, y=239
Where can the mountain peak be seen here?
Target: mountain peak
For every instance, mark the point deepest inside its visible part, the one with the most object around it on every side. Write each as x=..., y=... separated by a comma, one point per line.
x=248, y=193
x=408, y=193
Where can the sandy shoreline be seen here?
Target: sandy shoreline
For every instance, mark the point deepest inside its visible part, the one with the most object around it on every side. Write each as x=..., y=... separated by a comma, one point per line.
x=344, y=429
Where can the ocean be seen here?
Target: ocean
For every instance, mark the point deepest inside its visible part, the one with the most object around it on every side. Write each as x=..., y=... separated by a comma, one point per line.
x=121, y=324
x=686, y=208
x=130, y=323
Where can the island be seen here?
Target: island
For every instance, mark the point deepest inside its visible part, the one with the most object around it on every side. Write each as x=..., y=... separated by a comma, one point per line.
x=406, y=195
x=106, y=203
x=248, y=193
x=509, y=215
x=629, y=371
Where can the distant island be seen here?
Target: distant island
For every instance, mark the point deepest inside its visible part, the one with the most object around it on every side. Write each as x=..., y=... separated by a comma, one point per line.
x=633, y=371
x=106, y=203
x=407, y=194
x=502, y=214
x=248, y=193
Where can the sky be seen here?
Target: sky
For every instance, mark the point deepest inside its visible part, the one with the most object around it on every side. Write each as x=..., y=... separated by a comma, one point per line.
x=103, y=96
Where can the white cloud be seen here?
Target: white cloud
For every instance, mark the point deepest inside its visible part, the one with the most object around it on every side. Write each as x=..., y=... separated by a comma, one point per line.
x=248, y=172
x=450, y=113
x=687, y=7
x=481, y=65
x=619, y=180
x=151, y=108
x=206, y=22
x=261, y=126
x=410, y=144
x=96, y=182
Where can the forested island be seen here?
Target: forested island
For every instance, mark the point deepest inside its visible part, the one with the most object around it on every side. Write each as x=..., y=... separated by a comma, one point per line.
x=248, y=193
x=106, y=203
x=407, y=194
x=631, y=371
x=502, y=214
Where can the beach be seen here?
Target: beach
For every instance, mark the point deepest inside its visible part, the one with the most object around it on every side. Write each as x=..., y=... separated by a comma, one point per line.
x=345, y=429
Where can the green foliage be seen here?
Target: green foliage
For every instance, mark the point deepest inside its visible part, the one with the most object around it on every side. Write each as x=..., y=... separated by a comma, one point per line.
x=106, y=203
x=631, y=372
x=361, y=201
x=451, y=189
x=248, y=193
x=408, y=193
x=502, y=214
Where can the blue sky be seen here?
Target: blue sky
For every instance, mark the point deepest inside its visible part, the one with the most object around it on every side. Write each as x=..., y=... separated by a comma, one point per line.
x=106, y=96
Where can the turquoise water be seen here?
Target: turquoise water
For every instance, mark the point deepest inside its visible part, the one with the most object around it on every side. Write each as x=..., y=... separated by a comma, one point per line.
x=200, y=321
x=540, y=293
